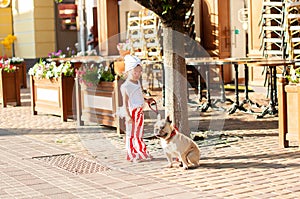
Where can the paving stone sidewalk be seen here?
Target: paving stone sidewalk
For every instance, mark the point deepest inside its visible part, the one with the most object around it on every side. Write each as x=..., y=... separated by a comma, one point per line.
x=41, y=157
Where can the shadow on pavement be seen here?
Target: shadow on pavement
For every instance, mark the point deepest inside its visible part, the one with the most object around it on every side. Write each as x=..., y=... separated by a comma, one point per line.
x=239, y=124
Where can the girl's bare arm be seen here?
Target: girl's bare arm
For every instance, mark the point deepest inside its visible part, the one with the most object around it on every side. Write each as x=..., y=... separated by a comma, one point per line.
x=125, y=100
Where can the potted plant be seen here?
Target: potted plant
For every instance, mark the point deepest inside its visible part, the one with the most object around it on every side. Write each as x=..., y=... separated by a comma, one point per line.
x=124, y=49
x=9, y=83
x=52, y=89
x=97, y=93
x=8, y=41
x=21, y=65
x=289, y=108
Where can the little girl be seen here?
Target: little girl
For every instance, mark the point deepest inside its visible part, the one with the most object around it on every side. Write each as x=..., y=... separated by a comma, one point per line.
x=133, y=102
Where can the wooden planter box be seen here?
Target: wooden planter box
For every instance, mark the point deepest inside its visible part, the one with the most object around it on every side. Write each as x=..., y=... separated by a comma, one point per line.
x=98, y=104
x=22, y=74
x=9, y=88
x=53, y=96
x=289, y=113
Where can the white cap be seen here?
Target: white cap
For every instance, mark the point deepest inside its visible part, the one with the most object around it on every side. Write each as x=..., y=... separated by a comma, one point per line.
x=131, y=62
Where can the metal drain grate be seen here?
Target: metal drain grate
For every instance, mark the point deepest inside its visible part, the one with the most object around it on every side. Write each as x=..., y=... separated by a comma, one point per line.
x=73, y=164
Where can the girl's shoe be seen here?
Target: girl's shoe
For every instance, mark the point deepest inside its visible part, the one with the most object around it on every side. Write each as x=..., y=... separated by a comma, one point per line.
x=150, y=157
x=136, y=160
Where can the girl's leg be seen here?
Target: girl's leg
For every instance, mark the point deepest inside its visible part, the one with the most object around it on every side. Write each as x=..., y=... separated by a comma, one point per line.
x=130, y=150
x=140, y=146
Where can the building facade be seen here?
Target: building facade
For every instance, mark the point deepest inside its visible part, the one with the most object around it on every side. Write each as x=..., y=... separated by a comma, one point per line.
x=224, y=28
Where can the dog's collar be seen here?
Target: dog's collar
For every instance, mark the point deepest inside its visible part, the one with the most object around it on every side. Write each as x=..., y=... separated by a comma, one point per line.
x=173, y=133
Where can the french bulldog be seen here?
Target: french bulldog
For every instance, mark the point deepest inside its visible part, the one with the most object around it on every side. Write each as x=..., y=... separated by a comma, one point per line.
x=176, y=144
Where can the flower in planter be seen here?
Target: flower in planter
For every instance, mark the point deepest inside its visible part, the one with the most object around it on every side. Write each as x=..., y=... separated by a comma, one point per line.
x=294, y=75
x=50, y=70
x=3, y=58
x=16, y=60
x=7, y=66
x=8, y=41
x=87, y=53
x=92, y=75
x=124, y=46
x=58, y=54
x=70, y=52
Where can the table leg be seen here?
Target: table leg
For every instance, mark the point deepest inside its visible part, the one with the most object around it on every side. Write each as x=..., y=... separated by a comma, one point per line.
x=247, y=99
x=199, y=84
x=271, y=109
x=223, y=95
x=208, y=103
x=236, y=104
x=275, y=86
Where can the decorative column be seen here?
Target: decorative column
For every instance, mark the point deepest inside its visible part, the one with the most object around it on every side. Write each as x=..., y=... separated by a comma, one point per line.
x=34, y=27
x=82, y=25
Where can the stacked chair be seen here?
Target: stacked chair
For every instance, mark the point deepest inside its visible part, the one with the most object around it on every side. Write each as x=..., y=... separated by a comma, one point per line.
x=144, y=31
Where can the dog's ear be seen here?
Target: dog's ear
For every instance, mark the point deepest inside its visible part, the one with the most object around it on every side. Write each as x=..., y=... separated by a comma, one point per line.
x=168, y=119
x=158, y=117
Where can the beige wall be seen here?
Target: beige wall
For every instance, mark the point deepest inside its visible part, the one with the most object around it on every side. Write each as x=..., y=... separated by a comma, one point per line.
x=238, y=41
x=5, y=29
x=255, y=9
x=34, y=27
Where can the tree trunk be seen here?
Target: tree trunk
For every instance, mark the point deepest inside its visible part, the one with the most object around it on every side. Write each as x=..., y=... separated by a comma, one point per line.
x=175, y=77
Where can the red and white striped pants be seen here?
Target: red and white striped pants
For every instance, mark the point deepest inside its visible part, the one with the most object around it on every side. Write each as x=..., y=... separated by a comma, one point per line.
x=135, y=146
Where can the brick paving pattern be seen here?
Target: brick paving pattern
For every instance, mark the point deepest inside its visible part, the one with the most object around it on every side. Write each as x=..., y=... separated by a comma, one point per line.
x=246, y=162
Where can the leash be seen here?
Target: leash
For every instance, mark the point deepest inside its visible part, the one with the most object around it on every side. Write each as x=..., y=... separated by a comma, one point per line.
x=153, y=103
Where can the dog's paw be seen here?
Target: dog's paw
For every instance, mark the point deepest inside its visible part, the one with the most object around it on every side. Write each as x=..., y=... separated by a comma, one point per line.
x=169, y=165
x=185, y=167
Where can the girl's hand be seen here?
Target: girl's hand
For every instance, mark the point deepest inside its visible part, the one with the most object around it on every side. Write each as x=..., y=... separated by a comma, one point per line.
x=150, y=101
x=128, y=119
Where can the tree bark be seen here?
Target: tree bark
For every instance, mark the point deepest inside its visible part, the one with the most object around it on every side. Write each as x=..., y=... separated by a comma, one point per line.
x=175, y=77
x=172, y=14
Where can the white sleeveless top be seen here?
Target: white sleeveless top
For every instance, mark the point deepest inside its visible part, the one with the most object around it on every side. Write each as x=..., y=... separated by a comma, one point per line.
x=134, y=93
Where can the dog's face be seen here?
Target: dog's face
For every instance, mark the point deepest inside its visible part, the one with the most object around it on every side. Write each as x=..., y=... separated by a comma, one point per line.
x=163, y=128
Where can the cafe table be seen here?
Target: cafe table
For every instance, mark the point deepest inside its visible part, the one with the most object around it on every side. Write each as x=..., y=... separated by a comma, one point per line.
x=236, y=61
x=208, y=63
x=272, y=64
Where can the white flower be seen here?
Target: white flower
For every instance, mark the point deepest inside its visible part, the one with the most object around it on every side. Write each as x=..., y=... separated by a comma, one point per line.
x=31, y=71
x=16, y=60
x=106, y=68
x=99, y=76
x=50, y=70
x=294, y=77
x=49, y=74
x=124, y=46
x=56, y=71
x=39, y=74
